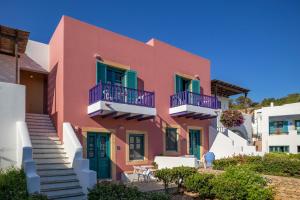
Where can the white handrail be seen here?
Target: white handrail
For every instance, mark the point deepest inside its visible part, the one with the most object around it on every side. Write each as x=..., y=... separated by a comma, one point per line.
x=24, y=158
x=73, y=148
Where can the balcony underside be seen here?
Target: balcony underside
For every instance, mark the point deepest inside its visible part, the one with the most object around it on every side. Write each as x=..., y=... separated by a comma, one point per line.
x=193, y=112
x=106, y=109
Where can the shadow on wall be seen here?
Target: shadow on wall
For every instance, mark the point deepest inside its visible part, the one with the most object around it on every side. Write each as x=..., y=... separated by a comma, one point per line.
x=5, y=161
x=52, y=107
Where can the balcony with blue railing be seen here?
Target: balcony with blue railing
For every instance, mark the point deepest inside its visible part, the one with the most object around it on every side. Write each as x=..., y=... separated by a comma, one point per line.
x=121, y=102
x=192, y=105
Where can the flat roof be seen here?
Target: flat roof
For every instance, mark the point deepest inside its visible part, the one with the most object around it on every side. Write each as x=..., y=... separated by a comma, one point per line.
x=9, y=37
x=225, y=89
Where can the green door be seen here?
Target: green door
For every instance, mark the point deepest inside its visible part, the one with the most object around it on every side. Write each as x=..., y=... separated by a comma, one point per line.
x=98, y=153
x=194, y=137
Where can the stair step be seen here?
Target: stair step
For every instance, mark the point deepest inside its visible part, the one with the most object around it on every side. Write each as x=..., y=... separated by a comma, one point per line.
x=43, y=134
x=47, y=146
x=56, y=188
x=52, y=167
x=59, y=181
x=50, y=142
x=36, y=114
x=50, y=156
x=43, y=137
x=41, y=121
x=42, y=130
x=49, y=179
x=74, y=196
x=64, y=172
x=47, y=151
x=51, y=161
x=52, y=194
x=39, y=124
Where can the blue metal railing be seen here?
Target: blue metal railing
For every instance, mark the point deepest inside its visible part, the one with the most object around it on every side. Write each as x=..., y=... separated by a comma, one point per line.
x=120, y=94
x=190, y=98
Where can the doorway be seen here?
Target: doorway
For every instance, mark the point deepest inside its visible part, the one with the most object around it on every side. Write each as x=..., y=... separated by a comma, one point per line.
x=98, y=153
x=36, y=91
x=195, y=143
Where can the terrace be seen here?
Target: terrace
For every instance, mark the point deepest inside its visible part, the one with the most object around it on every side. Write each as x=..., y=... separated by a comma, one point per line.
x=192, y=105
x=111, y=100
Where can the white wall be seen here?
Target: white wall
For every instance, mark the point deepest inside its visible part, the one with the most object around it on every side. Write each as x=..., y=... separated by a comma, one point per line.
x=39, y=52
x=12, y=109
x=288, y=112
x=228, y=144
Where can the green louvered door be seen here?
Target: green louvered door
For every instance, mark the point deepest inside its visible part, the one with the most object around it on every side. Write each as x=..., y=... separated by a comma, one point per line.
x=131, y=83
x=98, y=153
x=195, y=137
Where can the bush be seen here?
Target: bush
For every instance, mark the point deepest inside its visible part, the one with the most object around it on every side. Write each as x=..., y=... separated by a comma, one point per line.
x=112, y=191
x=232, y=118
x=224, y=163
x=200, y=183
x=13, y=184
x=241, y=183
x=156, y=196
x=279, y=164
x=180, y=173
x=37, y=197
x=166, y=176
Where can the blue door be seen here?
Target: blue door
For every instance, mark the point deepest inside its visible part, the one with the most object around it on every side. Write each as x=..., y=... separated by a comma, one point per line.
x=98, y=153
x=195, y=143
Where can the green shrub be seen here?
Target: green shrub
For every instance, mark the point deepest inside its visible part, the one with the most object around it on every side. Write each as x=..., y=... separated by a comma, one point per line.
x=200, y=183
x=110, y=191
x=240, y=183
x=166, y=176
x=156, y=196
x=13, y=184
x=37, y=197
x=180, y=173
x=280, y=164
x=224, y=163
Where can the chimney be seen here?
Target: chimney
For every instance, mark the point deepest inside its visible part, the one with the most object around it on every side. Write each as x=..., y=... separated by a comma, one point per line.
x=272, y=104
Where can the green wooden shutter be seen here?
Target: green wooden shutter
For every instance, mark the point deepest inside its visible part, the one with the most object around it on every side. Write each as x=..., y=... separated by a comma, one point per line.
x=177, y=84
x=272, y=127
x=196, y=86
x=91, y=151
x=285, y=127
x=101, y=72
x=131, y=79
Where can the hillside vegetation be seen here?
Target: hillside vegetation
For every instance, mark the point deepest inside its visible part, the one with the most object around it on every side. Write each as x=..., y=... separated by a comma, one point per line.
x=242, y=102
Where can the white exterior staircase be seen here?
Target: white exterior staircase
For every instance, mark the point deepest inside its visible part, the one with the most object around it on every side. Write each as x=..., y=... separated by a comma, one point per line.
x=57, y=177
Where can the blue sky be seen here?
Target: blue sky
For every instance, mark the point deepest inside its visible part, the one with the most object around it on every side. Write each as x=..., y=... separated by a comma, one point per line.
x=255, y=43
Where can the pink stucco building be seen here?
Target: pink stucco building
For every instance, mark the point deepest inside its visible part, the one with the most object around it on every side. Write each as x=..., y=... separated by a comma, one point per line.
x=129, y=101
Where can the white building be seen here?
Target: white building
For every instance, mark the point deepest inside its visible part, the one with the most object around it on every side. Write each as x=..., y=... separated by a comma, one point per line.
x=279, y=128
x=225, y=142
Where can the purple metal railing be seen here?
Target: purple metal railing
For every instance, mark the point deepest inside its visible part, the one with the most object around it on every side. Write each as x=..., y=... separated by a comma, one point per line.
x=120, y=94
x=190, y=98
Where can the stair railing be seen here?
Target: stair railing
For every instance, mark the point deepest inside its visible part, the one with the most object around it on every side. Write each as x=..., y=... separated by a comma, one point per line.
x=87, y=178
x=24, y=158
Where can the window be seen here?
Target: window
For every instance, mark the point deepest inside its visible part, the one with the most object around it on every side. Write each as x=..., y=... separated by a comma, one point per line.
x=278, y=127
x=115, y=76
x=171, y=139
x=285, y=149
x=298, y=147
x=136, y=147
x=297, y=126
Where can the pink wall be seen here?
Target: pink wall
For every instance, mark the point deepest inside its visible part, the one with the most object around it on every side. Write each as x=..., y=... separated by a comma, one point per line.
x=155, y=62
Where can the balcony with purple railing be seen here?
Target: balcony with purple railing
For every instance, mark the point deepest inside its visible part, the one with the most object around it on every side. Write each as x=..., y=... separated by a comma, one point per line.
x=194, y=105
x=119, y=99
